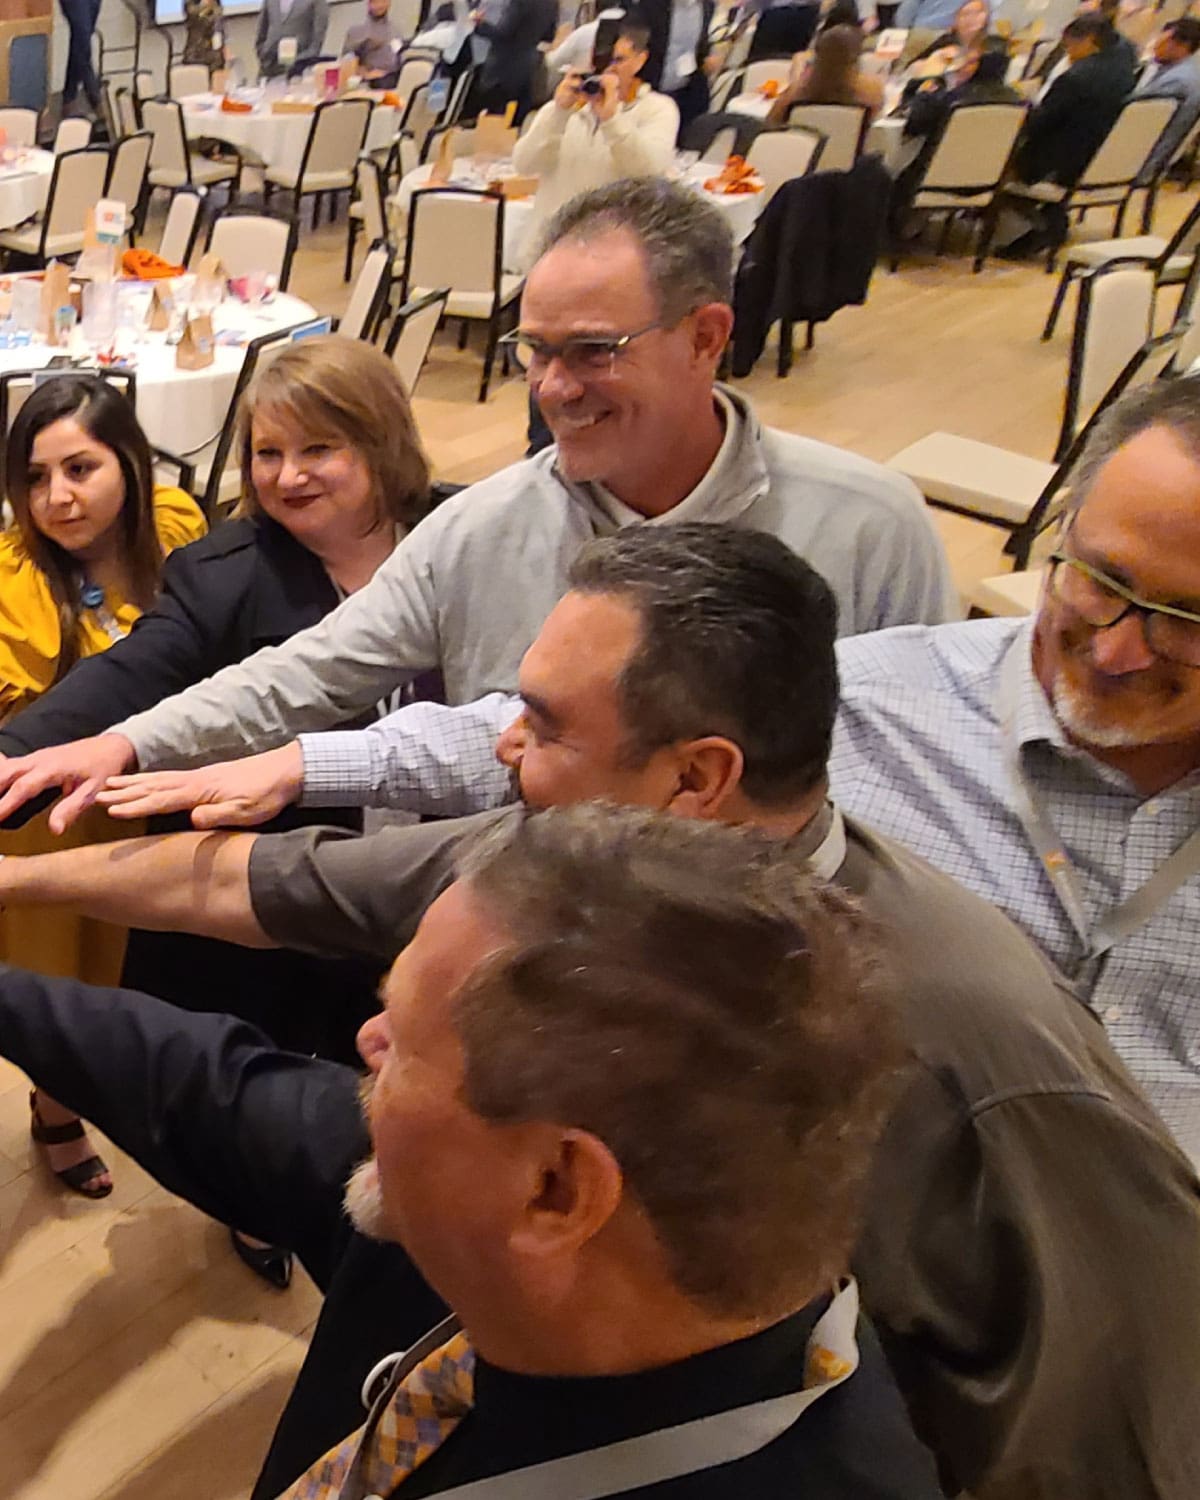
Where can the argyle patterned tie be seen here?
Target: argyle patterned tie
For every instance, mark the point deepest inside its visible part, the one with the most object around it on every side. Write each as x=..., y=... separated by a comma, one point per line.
x=427, y=1406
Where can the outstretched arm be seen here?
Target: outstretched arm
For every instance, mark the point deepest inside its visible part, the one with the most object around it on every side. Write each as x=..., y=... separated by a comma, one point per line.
x=179, y=882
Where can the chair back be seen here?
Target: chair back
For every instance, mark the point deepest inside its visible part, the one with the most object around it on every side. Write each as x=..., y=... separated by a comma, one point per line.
x=163, y=118
x=336, y=137
x=766, y=70
x=108, y=101
x=455, y=239
x=1186, y=239
x=419, y=116
x=76, y=185
x=127, y=175
x=720, y=148
x=1133, y=136
x=779, y=155
x=974, y=147
x=20, y=126
x=369, y=295
x=188, y=78
x=1038, y=54
x=128, y=118
x=179, y=231
x=458, y=97
x=414, y=71
x=1112, y=322
x=72, y=134
x=254, y=242
x=412, y=333
x=368, y=179
x=723, y=89
x=844, y=127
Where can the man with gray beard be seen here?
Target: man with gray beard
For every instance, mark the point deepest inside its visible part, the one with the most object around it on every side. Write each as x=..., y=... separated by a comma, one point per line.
x=1052, y=764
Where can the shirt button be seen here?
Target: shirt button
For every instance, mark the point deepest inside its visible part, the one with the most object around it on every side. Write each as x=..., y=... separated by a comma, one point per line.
x=1113, y=1013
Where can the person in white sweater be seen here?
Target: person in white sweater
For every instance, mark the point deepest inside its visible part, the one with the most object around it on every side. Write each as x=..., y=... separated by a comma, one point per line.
x=584, y=139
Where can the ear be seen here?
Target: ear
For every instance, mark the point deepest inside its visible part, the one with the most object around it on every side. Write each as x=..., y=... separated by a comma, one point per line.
x=710, y=773
x=712, y=325
x=575, y=1191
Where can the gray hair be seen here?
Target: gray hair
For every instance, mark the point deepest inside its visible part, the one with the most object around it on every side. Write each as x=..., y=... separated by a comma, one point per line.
x=688, y=994
x=687, y=243
x=1174, y=404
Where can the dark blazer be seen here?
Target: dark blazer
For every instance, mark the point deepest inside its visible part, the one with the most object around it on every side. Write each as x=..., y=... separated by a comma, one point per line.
x=509, y=65
x=1068, y=127
x=657, y=16
x=245, y=585
x=265, y=1139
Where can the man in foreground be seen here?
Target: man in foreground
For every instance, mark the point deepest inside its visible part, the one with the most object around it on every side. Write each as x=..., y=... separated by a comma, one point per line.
x=1021, y=1175
x=623, y=322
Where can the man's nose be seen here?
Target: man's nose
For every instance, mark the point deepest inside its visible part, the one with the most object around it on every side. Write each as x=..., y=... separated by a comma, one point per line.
x=372, y=1042
x=511, y=744
x=557, y=382
x=1122, y=647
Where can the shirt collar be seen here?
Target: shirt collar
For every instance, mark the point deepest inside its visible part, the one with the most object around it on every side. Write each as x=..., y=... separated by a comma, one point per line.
x=1033, y=719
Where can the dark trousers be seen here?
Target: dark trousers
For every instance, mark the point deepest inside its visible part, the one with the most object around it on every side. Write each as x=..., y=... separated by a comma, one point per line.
x=691, y=100
x=81, y=17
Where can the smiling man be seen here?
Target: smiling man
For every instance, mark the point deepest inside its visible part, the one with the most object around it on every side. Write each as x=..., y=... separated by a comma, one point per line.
x=624, y=319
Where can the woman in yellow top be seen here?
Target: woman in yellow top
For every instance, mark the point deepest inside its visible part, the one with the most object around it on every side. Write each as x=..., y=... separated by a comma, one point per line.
x=80, y=565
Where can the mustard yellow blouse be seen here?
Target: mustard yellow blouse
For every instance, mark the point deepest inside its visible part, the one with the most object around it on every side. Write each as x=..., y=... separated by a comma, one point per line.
x=30, y=636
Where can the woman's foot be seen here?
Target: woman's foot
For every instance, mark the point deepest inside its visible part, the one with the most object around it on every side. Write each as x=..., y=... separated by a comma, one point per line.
x=272, y=1262
x=69, y=1153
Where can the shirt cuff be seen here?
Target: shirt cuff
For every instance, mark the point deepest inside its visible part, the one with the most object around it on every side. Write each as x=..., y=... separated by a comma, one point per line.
x=338, y=769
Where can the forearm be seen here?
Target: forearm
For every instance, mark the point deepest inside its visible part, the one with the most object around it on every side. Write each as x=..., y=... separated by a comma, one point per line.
x=186, y=882
x=538, y=150
x=425, y=758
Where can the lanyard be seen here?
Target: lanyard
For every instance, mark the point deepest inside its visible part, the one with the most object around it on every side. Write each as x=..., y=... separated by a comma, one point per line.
x=1127, y=915
x=671, y=1452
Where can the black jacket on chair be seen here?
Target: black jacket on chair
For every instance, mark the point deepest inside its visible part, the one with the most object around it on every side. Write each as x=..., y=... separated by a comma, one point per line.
x=246, y=585
x=812, y=251
x=657, y=16
x=1068, y=127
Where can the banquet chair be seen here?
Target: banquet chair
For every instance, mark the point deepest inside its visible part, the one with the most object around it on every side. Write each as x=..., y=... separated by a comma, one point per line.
x=1171, y=259
x=456, y=239
x=779, y=155
x=419, y=116
x=336, y=137
x=127, y=178
x=416, y=68
x=844, y=127
x=411, y=334
x=188, y=78
x=246, y=240
x=20, y=126
x=403, y=157
x=173, y=164
x=108, y=109
x=179, y=231
x=367, y=211
x=369, y=299
x=456, y=102
x=766, y=70
x=1014, y=492
x=76, y=184
x=966, y=170
x=1109, y=179
x=72, y=134
x=720, y=148
x=128, y=111
x=724, y=87
x=1038, y=53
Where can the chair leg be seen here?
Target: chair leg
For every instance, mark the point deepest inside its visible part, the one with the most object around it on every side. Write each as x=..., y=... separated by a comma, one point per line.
x=1119, y=216
x=1056, y=306
x=983, y=243
x=784, y=363
x=462, y=333
x=944, y=237
x=489, y=356
x=1149, y=203
x=351, y=238
x=810, y=335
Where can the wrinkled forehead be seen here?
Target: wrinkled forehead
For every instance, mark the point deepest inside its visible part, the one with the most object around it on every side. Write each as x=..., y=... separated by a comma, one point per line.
x=587, y=283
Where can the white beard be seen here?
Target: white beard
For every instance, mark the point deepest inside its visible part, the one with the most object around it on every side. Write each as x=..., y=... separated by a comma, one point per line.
x=363, y=1200
x=1078, y=718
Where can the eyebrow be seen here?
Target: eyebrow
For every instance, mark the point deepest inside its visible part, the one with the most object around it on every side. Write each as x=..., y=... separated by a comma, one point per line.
x=1105, y=565
x=540, y=708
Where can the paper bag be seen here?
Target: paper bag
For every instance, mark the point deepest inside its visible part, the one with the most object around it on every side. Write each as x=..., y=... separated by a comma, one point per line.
x=210, y=281
x=493, y=137
x=444, y=162
x=101, y=250
x=220, y=81
x=161, y=304
x=347, y=67
x=196, y=349
x=56, y=293
x=513, y=187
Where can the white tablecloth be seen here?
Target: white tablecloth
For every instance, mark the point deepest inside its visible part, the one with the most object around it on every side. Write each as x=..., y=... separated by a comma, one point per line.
x=277, y=140
x=885, y=137
x=464, y=173
x=23, y=187
x=184, y=410
x=741, y=209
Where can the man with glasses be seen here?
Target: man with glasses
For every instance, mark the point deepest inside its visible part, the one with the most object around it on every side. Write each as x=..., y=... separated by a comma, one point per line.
x=623, y=322
x=1051, y=764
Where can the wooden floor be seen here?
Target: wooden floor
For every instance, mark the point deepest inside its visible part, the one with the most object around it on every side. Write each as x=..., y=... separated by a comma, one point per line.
x=138, y=1358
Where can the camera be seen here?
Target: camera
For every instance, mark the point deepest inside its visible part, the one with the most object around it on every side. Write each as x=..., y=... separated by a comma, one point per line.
x=591, y=85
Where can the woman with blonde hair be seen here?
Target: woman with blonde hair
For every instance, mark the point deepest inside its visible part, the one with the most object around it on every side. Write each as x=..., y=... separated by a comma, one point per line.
x=831, y=76
x=333, y=476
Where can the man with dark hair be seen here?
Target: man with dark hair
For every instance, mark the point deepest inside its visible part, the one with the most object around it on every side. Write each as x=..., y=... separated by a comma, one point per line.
x=603, y=124
x=1174, y=74
x=691, y=670
x=679, y=49
x=623, y=322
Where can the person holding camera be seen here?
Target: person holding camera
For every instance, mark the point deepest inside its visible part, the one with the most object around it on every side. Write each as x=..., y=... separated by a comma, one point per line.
x=600, y=126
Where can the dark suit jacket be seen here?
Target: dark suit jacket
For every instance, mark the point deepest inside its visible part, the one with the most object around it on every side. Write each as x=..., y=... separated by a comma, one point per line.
x=1068, y=127
x=509, y=65
x=657, y=15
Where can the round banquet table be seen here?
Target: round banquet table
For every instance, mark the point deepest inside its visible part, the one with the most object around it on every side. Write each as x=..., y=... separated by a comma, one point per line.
x=885, y=138
x=276, y=140
x=24, y=184
x=183, y=410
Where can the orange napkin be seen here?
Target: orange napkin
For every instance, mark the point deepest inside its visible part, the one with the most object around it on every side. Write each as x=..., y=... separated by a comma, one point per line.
x=144, y=265
x=234, y=106
x=770, y=89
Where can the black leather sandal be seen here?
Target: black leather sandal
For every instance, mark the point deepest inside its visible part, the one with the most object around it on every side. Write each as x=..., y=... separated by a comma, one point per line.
x=272, y=1262
x=82, y=1173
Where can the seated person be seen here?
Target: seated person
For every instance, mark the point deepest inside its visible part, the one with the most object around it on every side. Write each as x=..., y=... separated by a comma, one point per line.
x=593, y=133
x=831, y=76
x=1174, y=74
x=377, y=44
x=966, y=31
x=690, y=668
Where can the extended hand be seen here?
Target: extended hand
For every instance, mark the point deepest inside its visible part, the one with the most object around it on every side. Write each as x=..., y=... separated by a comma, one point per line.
x=606, y=103
x=80, y=769
x=567, y=95
x=231, y=794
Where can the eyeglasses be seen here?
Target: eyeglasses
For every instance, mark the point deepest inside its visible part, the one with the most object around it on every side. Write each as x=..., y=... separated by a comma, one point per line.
x=585, y=358
x=1100, y=601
